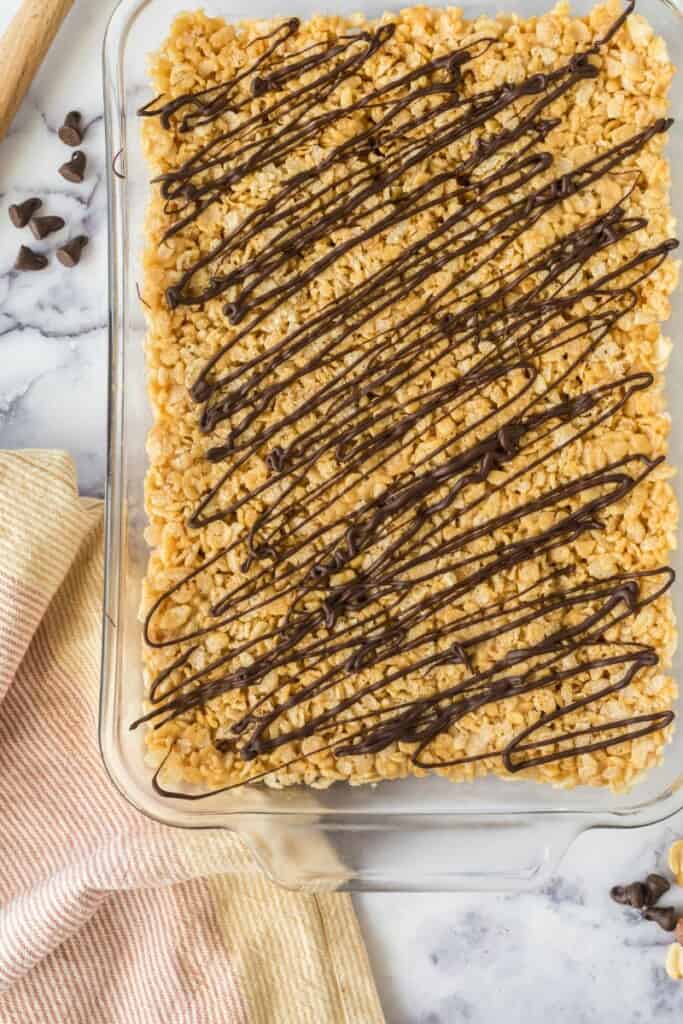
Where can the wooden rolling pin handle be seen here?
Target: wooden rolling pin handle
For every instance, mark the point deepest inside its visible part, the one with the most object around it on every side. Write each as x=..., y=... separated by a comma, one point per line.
x=22, y=49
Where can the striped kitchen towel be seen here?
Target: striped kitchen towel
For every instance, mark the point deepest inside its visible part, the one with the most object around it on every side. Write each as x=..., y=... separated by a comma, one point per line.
x=105, y=916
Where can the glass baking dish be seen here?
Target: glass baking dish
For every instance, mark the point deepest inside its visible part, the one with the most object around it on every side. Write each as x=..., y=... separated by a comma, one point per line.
x=412, y=834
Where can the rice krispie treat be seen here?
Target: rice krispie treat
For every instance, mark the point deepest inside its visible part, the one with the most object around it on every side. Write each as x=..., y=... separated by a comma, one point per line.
x=408, y=504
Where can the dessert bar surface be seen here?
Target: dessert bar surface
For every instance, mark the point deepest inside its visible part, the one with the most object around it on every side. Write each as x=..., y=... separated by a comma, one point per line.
x=409, y=509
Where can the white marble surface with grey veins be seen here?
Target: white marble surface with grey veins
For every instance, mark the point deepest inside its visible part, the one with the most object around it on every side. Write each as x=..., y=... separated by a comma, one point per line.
x=564, y=955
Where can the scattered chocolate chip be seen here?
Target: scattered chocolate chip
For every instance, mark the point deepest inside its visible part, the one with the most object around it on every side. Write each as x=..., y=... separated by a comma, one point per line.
x=44, y=226
x=665, y=917
x=74, y=169
x=21, y=213
x=633, y=895
x=69, y=254
x=656, y=886
x=618, y=894
x=27, y=259
x=71, y=132
x=638, y=895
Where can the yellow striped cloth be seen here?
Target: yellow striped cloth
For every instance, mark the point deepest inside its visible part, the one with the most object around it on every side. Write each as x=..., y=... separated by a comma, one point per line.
x=105, y=916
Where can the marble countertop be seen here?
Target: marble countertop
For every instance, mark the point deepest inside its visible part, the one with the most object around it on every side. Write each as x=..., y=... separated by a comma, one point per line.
x=565, y=954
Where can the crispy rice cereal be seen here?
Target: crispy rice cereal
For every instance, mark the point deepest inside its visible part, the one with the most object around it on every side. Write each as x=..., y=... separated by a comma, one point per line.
x=638, y=531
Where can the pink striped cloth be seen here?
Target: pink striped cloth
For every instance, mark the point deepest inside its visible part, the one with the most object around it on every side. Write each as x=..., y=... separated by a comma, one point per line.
x=105, y=916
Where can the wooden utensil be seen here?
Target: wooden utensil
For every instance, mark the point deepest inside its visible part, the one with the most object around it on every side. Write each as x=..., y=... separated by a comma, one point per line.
x=22, y=49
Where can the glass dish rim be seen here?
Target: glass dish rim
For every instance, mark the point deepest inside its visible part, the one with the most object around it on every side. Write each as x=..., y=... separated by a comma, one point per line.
x=657, y=808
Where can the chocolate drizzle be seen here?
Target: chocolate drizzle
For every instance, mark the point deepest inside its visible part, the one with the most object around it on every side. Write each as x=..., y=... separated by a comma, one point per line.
x=365, y=589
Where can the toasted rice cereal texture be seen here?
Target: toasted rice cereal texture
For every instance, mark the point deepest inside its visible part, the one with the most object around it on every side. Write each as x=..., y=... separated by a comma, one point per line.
x=639, y=531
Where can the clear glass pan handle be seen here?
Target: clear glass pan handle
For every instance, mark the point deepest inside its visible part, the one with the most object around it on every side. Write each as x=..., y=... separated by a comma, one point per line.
x=469, y=854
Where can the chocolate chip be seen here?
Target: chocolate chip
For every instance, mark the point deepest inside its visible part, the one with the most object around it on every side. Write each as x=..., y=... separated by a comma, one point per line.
x=633, y=895
x=224, y=746
x=21, y=213
x=641, y=894
x=637, y=894
x=44, y=226
x=618, y=894
x=27, y=259
x=665, y=917
x=71, y=131
x=69, y=254
x=74, y=169
x=656, y=886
